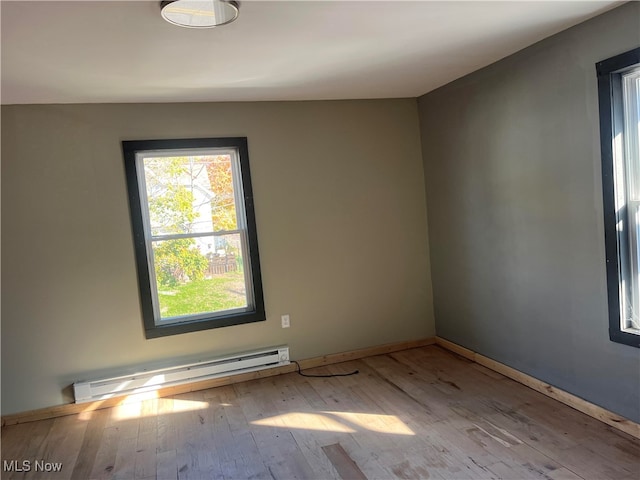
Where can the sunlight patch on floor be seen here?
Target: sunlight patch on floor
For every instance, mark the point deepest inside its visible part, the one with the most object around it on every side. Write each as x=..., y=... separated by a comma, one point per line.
x=134, y=406
x=305, y=421
x=375, y=422
x=341, y=422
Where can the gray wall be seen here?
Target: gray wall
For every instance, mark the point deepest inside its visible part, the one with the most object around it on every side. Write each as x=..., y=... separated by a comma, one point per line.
x=340, y=209
x=512, y=172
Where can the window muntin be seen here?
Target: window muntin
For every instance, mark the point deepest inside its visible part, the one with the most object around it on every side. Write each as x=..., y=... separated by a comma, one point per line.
x=194, y=227
x=619, y=96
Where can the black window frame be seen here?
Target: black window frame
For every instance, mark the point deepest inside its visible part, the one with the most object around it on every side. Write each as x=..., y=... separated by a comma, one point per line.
x=130, y=150
x=609, y=74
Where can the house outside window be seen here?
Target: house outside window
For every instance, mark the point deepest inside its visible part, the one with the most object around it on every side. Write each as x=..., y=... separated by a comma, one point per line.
x=194, y=231
x=619, y=98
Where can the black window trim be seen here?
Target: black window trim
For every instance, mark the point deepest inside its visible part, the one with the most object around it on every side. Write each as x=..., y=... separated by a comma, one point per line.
x=609, y=74
x=152, y=330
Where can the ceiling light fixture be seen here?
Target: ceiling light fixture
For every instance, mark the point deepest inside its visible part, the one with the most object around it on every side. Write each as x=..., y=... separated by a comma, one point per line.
x=199, y=13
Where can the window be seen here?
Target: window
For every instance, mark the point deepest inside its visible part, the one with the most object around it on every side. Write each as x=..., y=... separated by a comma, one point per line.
x=194, y=232
x=619, y=95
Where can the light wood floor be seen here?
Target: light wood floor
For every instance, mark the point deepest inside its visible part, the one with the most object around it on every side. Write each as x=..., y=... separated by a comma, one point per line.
x=420, y=413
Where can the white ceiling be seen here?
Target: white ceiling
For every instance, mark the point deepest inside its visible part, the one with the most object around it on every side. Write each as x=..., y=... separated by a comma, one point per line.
x=114, y=51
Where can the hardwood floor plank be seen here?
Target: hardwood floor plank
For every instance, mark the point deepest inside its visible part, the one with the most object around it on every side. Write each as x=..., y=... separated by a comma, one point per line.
x=185, y=431
x=589, y=463
x=194, y=460
x=166, y=429
x=106, y=455
x=411, y=470
x=624, y=454
x=345, y=415
x=62, y=445
x=431, y=402
x=30, y=440
x=272, y=441
x=167, y=465
x=90, y=445
x=344, y=464
x=15, y=439
x=563, y=473
x=221, y=436
x=288, y=398
x=125, y=461
x=293, y=466
x=238, y=453
x=504, y=471
x=147, y=441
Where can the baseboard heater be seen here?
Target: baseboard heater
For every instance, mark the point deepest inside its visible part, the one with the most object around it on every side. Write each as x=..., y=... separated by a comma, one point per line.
x=149, y=380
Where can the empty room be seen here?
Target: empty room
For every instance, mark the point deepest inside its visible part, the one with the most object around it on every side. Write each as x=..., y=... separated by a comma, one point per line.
x=320, y=239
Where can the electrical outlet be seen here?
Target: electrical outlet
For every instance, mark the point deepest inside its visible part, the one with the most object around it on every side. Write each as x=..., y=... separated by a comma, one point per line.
x=286, y=323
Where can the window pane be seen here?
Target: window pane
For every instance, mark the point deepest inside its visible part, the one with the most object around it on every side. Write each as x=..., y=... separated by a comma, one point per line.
x=190, y=194
x=631, y=110
x=199, y=275
x=633, y=320
x=631, y=135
